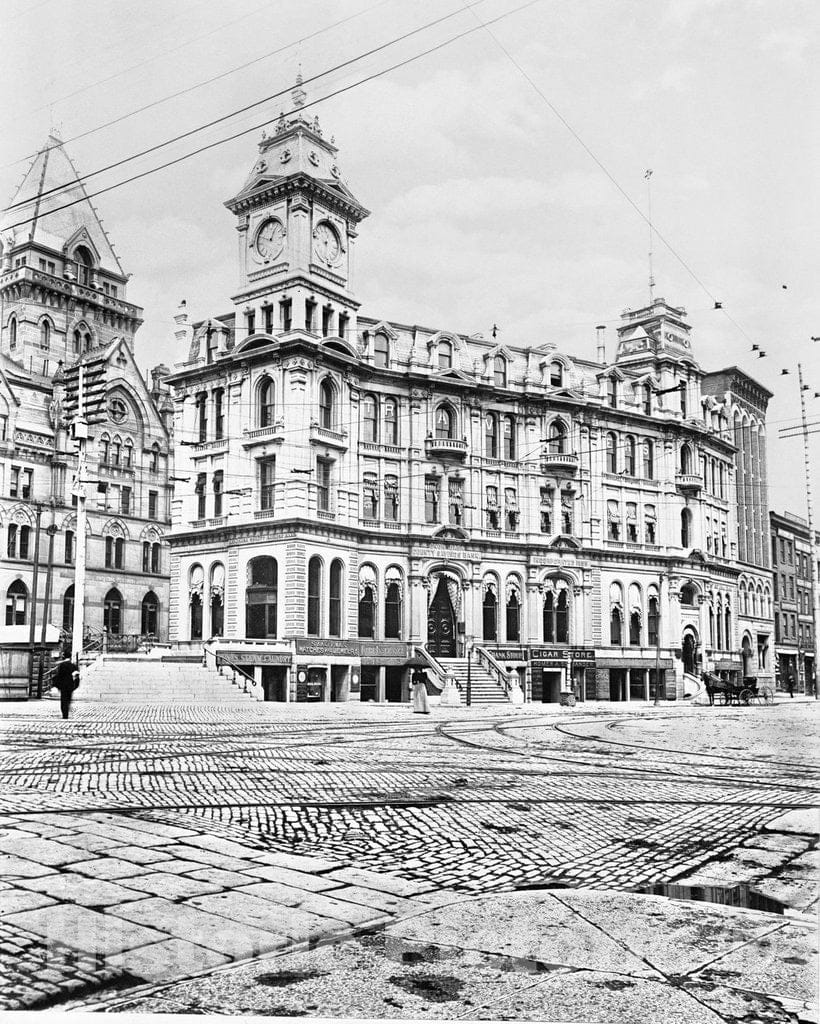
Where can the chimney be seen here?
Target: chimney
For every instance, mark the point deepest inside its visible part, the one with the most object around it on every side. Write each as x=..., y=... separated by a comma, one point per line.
x=601, y=356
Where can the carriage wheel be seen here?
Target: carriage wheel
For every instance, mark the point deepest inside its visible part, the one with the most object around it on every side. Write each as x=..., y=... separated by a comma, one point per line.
x=745, y=697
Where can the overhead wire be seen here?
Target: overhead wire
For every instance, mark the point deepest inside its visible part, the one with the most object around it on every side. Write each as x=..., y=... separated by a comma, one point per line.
x=198, y=85
x=180, y=136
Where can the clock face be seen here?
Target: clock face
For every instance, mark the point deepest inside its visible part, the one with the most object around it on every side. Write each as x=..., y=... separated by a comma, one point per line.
x=326, y=243
x=270, y=240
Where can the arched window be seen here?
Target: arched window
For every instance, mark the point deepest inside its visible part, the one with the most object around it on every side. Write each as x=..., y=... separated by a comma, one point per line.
x=149, y=614
x=445, y=355
x=490, y=612
x=13, y=332
x=558, y=438
x=196, y=587
x=68, y=609
x=45, y=334
x=84, y=263
x=119, y=552
x=635, y=629
x=381, y=350
x=615, y=627
x=104, y=448
x=513, y=622
x=370, y=418
x=314, y=596
x=688, y=595
x=146, y=556
x=112, y=612
x=327, y=411
x=127, y=456
x=155, y=557
x=391, y=421
x=500, y=372
x=16, y=604
x=217, y=595
x=556, y=615
x=719, y=623
x=629, y=456
x=648, y=460
x=611, y=453
x=392, y=606
x=367, y=602
x=261, y=598
x=647, y=400
x=445, y=422
x=727, y=618
x=653, y=620
x=556, y=374
x=686, y=528
x=686, y=459
x=508, y=430
x=491, y=435
x=265, y=407
x=683, y=404
x=336, y=584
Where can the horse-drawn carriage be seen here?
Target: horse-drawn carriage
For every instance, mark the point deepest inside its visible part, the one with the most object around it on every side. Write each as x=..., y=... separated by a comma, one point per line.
x=746, y=692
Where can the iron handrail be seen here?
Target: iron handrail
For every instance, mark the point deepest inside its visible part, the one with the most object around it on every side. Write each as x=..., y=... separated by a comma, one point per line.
x=217, y=656
x=438, y=671
x=493, y=668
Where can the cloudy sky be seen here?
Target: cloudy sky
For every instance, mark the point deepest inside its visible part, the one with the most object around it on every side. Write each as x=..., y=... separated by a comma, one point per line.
x=489, y=202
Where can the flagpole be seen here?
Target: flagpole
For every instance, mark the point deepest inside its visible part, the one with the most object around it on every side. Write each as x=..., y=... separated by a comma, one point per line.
x=648, y=177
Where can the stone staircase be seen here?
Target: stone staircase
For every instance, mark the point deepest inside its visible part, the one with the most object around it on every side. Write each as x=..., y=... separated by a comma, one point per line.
x=155, y=679
x=483, y=687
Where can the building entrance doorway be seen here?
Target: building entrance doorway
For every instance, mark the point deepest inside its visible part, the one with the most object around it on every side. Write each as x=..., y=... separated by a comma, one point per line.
x=274, y=682
x=338, y=682
x=617, y=683
x=441, y=623
x=393, y=685
x=551, y=686
x=689, y=655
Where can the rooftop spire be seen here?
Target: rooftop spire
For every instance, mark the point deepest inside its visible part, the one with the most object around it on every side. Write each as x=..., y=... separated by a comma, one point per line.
x=299, y=95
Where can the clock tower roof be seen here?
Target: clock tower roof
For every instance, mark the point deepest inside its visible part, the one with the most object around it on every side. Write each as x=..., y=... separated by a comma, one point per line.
x=653, y=331
x=297, y=152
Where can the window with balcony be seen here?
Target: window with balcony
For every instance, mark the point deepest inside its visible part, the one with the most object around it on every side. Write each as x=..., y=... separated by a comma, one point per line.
x=611, y=453
x=546, y=510
x=648, y=460
x=391, y=421
x=613, y=515
x=370, y=496
x=629, y=456
x=445, y=423
x=327, y=411
x=557, y=443
x=370, y=418
x=267, y=473
x=650, y=524
x=323, y=467
x=199, y=490
x=492, y=509
x=432, y=498
x=285, y=314
x=391, y=497
x=310, y=316
x=219, y=414
x=201, y=407
x=508, y=434
x=455, y=495
x=632, y=522
x=510, y=509
x=491, y=435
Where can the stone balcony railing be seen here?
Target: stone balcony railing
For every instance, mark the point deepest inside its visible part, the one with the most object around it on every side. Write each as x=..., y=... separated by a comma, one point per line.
x=559, y=462
x=445, y=447
x=689, y=483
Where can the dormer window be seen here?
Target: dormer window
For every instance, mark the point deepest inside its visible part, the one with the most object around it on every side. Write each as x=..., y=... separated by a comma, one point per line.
x=445, y=355
x=381, y=350
x=556, y=374
x=612, y=392
x=84, y=262
x=500, y=372
x=647, y=400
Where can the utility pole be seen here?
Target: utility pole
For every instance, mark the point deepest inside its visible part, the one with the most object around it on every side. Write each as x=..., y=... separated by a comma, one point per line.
x=469, y=698
x=657, y=700
x=32, y=628
x=813, y=582
x=80, y=432
x=51, y=529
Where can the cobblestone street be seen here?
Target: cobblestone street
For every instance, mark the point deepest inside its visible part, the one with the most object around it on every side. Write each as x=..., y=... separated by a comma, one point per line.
x=147, y=843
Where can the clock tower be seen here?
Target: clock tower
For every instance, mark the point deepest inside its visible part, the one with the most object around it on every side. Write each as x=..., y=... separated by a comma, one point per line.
x=296, y=222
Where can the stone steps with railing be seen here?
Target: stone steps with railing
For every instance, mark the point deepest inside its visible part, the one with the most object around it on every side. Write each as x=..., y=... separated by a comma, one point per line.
x=143, y=679
x=484, y=688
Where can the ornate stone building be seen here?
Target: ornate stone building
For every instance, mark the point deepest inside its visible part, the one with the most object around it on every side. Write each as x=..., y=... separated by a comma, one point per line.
x=364, y=492
x=63, y=302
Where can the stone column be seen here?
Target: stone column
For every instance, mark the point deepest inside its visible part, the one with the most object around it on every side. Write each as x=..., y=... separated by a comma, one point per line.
x=381, y=685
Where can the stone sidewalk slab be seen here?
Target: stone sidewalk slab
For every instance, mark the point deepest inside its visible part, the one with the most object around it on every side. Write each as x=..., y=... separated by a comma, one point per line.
x=42, y=851
x=164, y=961
x=803, y=822
x=84, y=929
x=221, y=934
x=243, y=907
x=172, y=887
x=207, y=857
x=322, y=904
x=296, y=879
x=381, y=883
x=138, y=855
x=20, y=867
x=88, y=892
x=144, y=825
x=220, y=878
x=110, y=868
x=295, y=861
x=14, y=900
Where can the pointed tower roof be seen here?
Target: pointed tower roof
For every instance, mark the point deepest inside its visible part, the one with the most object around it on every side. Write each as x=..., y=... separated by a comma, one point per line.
x=51, y=169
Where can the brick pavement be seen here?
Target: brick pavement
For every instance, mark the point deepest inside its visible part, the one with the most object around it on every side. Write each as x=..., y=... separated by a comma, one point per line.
x=178, y=839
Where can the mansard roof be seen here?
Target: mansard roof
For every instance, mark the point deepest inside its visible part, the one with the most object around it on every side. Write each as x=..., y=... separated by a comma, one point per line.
x=42, y=220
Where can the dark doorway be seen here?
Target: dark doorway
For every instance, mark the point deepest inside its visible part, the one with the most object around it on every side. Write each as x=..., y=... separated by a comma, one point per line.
x=617, y=684
x=441, y=624
x=689, y=654
x=338, y=683
x=392, y=685
x=370, y=680
x=274, y=682
x=636, y=684
x=551, y=686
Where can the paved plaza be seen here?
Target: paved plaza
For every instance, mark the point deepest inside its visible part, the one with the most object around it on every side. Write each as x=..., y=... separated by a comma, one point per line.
x=142, y=844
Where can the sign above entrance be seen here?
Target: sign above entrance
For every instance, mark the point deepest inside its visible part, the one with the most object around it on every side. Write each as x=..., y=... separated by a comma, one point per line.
x=371, y=652
x=253, y=658
x=562, y=654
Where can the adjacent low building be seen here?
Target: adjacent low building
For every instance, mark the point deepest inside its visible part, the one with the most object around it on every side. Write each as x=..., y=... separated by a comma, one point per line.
x=363, y=493
x=794, y=625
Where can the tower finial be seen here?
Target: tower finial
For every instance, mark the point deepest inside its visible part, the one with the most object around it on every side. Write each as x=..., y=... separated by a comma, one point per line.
x=648, y=177
x=298, y=95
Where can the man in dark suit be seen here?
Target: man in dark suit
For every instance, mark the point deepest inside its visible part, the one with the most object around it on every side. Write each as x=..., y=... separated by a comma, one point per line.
x=66, y=679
